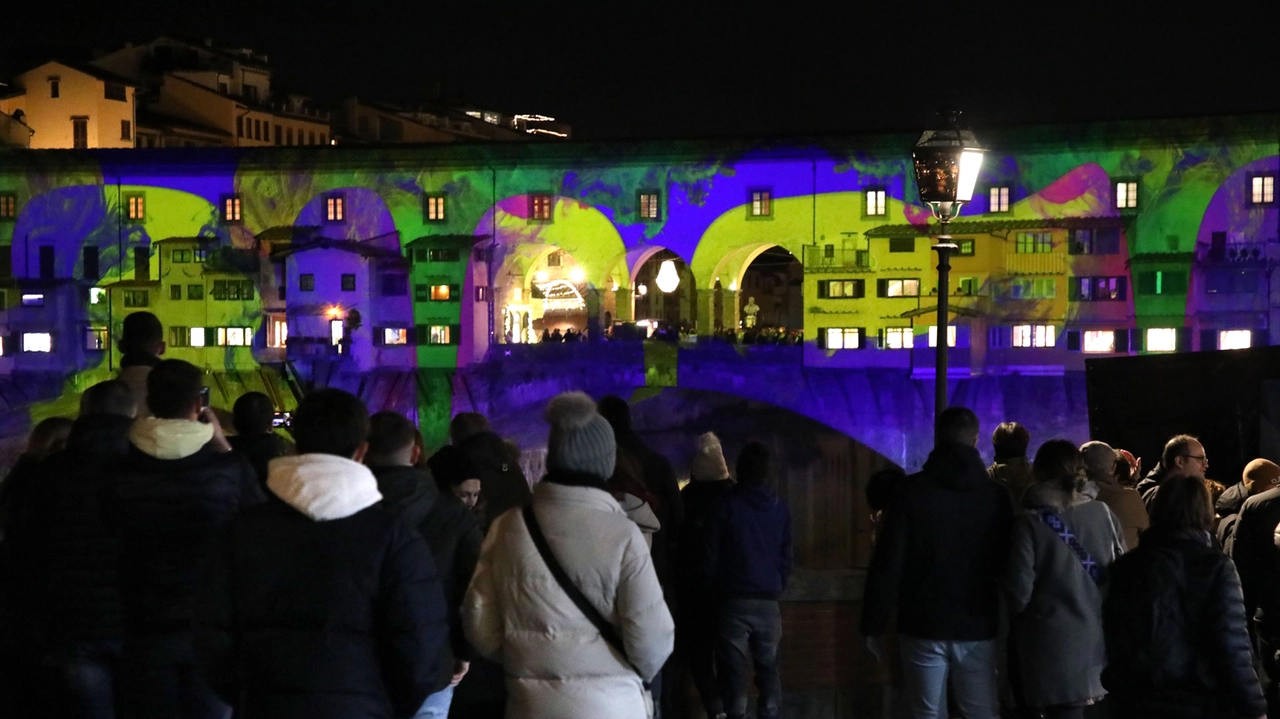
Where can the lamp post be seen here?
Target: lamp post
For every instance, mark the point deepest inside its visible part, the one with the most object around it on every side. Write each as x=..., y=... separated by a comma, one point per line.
x=946, y=162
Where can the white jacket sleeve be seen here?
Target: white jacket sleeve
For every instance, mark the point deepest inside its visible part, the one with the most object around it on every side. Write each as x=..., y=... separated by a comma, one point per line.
x=481, y=611
x=643, y=618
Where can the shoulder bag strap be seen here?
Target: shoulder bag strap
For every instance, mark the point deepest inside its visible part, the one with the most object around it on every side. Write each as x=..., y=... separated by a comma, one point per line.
x=607, y=630
x=1064, y=533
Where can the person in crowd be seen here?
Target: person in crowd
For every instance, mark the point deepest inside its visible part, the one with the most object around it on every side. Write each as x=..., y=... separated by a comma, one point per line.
x=556, y=336
x=627, y=486
x=1125, y=502
x=1011, y=468
x=76, y=556
x=882, y=486
x=747, y=560
x=696, y=617
x=255, y=438
x=1174, y=619
x=1254, y=553
x=562, y=658
x=1063, y=544
x=455, y=473
x=1128, y=468
x=1258, y=476
x=141, y=345
x=321, y=603
x=502, y=483
x=946, y=535
x=451, y=532
x=47, y=437
x=1183, y=454
x=171, y=497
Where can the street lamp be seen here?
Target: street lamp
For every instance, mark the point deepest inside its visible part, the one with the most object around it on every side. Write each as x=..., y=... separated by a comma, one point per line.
x=946, y=162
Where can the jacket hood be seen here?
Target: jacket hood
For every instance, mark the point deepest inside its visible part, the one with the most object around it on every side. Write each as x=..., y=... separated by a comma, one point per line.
x=169, y=438
x=956, y=466
x=407, y=492
x=103, y=433
x=323, y=486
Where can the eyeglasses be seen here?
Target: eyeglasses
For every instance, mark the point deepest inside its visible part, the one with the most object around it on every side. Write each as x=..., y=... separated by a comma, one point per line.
x=1200, y=457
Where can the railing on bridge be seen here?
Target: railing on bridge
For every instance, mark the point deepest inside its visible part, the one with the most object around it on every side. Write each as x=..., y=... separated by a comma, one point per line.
x=702, y=349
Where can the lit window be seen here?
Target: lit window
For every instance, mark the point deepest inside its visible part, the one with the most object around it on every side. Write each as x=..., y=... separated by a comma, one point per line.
x=1, y=345
x=1162, y=339
x=933, y=335
x=136, y=298
x=235, y=336
x=449, y=254
x=1033, y=336
x=1029, y=243
x=844, y=338
x=197, y=337
x=33, y=300
x=649, y=206
x=1126, y=195
x=8, y=205
x=1235, y=339
x=1262, y=189
x=137, y=205
x=435, y=208
x=96, y=295
x=964, y=248
x=761, y=203
x=875, y=202
x=899, y=338
x=231, y=208
x=902, y=288
x=540, y=207
x=37, y=342
x=999, y=200
x=1099, y=341
x=439, y=293
x=277, y=332
x=395, y=336
x=334, y=208
x=336, y=332
x=95, y=338
x=439, y=335
x=844, y=289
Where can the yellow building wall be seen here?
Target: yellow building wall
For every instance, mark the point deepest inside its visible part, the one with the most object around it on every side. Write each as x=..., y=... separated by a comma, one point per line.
x=79, y=95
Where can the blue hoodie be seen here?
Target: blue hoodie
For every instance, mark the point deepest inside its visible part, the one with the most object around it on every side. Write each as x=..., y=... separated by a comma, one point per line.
x=748, y=551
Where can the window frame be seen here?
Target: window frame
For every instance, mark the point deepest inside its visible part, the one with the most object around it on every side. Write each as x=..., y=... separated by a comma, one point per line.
x=540, y=202
x=1037, y=336
x=1036, y=243
x=1133, y=195
x=878, y=195
x=226, y=204
x=347, y=282
x=760, y=203
x=8, y=206
x=306, y=282
x=1263, y=202
x=98, y=332
x=1085, y=344
x=135, y=206
x=435, y=207
x=130, y=298
x=1003, y=200
x=335, y=208
x=653, y=198
x=960, y=247
x=906, y=338
x=859, y=336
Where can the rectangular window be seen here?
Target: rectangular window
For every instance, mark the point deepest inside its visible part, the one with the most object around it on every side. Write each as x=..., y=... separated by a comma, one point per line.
x=1105, y=241
x=1099, y=289
x=965, y=248
x=257, y=129
x=46, y=262
x=198, y=337
x=142, y=263
x=311, y=137
x=440, y=293
x=175, y=292
x=307, y=282
x=998, y=199
x=439, y=335
x=336, y=331
x=843, y=338
x=8, y=206
x=843, y=289
x=392, y=336
x=80, y=132
x=451, y=255
x=37, y=342
x=199, y=255
x=1126, y=194
x=761, y=203
x=435, y=208
x=1033, y=336
x=933, y=335
x=875, y=202
x=1029, y=243
x=136, y=206
x=89, y=263
x=234, y=336
x=902, y=244
x=136, y=298
x=1033, y=288
x=334, y=209
x=898, y=288
x=1099, y=341
x=33, y=300
x=1262, y=190
x=195, y=292
x=97, y=295
x=179, y=336
x=277, y=332
x=967, y=286
x=348, y=283
x=231, y=209
x=482, y=294
x=539, y=207
x=1235, y=339
x=650, y=209
x=1162, y=339
x=115, y=91
x=279, y=134
x=55, y=86
x=179, y=257
x=95, y=339
x=1162, y=282
x=239, y=126
x=899, y=338
x=126, y=130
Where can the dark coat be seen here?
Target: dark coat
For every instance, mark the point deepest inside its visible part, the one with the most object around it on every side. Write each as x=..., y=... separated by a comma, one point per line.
x=1257, y=559
x=168, y=515
x=502, y=481
x=18, y=561
x=260, y=449
x=337, y=619
x=698, y=496
x=1177, y=644
x=941, y=552
x=79, y=592
x=452, y=534
x=660, y=479
x=747, y=550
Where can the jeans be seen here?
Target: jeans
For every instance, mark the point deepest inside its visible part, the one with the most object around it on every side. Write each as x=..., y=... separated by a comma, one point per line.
x=926, y=664
x=88, y=678
x=437, y=705
x=171, y=691
x=754, y=625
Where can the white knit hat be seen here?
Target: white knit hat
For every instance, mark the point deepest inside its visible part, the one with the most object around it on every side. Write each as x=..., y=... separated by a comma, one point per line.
x=708, y=461
x=581, y=440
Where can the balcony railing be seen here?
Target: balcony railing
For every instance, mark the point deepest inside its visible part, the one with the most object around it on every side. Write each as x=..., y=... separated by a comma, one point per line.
x=833, y=259
x=1050, y=263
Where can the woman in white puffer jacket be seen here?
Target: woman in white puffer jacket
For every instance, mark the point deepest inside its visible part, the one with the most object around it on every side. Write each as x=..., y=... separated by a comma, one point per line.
x=556, y=662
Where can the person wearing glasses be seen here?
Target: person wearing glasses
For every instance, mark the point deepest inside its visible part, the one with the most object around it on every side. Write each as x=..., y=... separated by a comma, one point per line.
x=1183, y=454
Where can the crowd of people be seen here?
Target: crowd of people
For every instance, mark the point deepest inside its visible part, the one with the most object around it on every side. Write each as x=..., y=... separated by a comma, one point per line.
x=153, y=566
x=1065, y=586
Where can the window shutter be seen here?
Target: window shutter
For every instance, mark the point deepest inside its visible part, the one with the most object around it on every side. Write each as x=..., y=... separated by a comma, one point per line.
x=1184, y=339
x=822, y=289
x=882, y=288
x=1208, y=340
x=822, y=338
x=1122, y=287
x=454, y=293
x=1073, y=340
x=455, y=334
x=1122, y=340
x=880, y=338
x=1073, y=288
x=859, y=288
x=420, y=334
x=862, y=338
x=1261, y=338
x=378, y=337
x=1073, y=246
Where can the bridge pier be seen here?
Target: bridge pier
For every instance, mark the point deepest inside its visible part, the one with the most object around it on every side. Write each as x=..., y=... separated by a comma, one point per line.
x=706, y=312
x=624, y=306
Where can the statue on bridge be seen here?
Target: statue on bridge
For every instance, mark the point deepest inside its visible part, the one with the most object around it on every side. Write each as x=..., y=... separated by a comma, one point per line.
x=751, y=310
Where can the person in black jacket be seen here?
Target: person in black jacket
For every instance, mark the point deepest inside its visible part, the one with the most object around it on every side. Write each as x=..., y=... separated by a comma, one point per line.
x=255, y=438
x=78, y=590
x=170, y=498
x=1183, y=454
x=1256, y=557
x=1174, y=619
x=319, y=603
x=503, y=485
x=939, y=555
x=451, y=532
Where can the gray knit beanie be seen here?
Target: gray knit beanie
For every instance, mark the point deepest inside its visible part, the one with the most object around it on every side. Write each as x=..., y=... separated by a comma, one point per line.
x=581, y=440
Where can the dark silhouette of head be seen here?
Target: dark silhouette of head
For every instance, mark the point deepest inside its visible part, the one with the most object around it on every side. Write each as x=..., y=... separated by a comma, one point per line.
x=391, y=441
x=142, y=333
x=253, y=413
x=1182, y=503
x=110, y=397
x=1059, y=464
x=753, y=464
x=466, y=425
x=1010, y=440
x=47, y=437
x=173, y=389
x=330, y=421
x=883, y=486
x=958, y=425
x=616, y=412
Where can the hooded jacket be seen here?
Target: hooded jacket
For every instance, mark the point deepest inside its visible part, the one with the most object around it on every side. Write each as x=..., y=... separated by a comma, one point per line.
x=660, y=480
x=321, y=604
x=747, y=550
x=452, y=535
x=556, y=662
x=698, y=497
x=502, y=481
x=941, y=552
x=171, y=497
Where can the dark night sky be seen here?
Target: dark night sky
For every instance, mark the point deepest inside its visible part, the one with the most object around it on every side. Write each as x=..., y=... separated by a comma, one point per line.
x=618, y=68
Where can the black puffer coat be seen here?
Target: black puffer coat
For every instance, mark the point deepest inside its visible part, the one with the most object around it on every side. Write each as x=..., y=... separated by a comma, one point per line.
x=1254, y=552
x=1174, y=620
x=502, y=481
